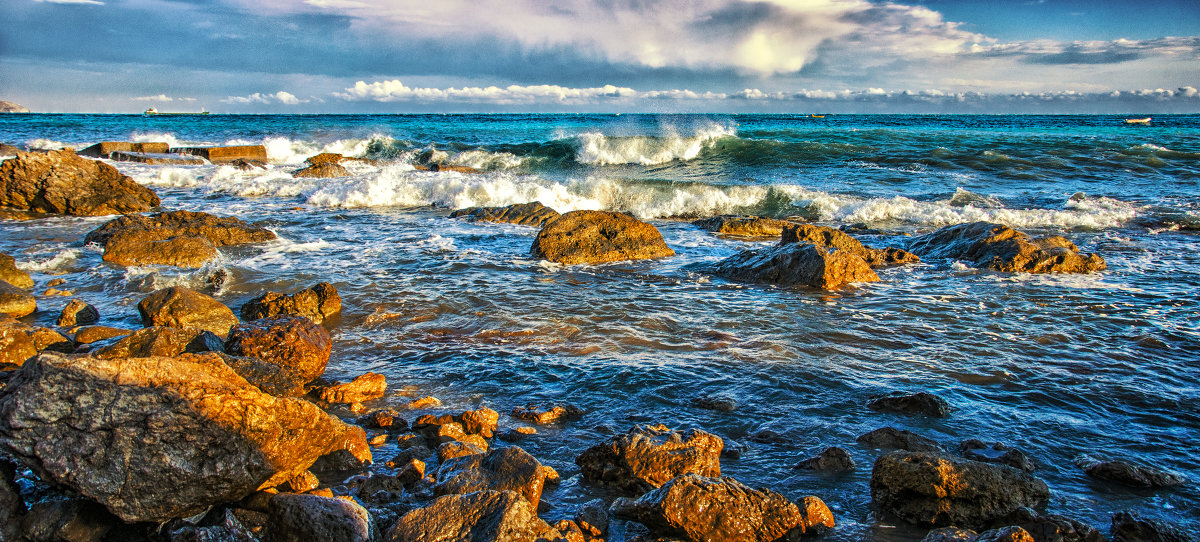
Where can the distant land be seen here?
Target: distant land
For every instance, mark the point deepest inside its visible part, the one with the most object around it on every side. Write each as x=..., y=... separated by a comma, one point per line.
x=9, y=107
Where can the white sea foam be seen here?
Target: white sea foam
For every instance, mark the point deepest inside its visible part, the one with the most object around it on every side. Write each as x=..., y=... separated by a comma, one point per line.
x=60, y=259
x=600, y=149
x=46, y=144
x=161, y=137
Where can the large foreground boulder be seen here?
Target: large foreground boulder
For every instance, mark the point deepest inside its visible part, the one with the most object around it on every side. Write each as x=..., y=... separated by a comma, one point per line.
x=935, y=490
x=830, y=238
x=699, y=508
x=313, y=518
x=483, y=516
x=524, y=214
x=987, y=245
x=590, y=237
x=292, y=342
x=796, y=264
x=179, y=306
x=179, y=238
x=649, y=456
x=60, y=182
x=159, y=438
x=318, y=303
x=11, y=274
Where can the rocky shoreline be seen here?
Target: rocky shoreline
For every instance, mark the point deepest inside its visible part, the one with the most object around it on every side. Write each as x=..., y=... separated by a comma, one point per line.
x=204, y=426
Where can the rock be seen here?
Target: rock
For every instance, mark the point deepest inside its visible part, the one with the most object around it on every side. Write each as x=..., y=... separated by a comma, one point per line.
x=744, y=226
x=232, y=525
x=483, y=516
x=456, y=449
x=92, y=334
x=719, y=404
x=10, y=274
x=78, y=313
x=831, y=459
x=294, y=342
x=1056, y=528
x=318, y=303
x=324, y=158
x=16, y=302
x=523, y=214
x=796, y=264
x=104, y=149
x=995, y=452
x=9, y=150
x=647, y=457
x=899, y=439
x=935, y=490
x=322, y=170
x=924, y=403
x=830, y=238
x=998, y=247
x=502, y=469
x=15, y=345
x=305, y=481
x=12, y=507
x=9, y=107
x=1128, y=473
x=591, y=237
x=179, y=306
x=219, y=155
x=482, y=422
x=363, y=388
x=699, y=508
x=272, y=379
x=156, y=159
x=385, y=419
x=545, y=414
x=592, y=518
x=244, y=164
x=1128, y=526
x=428, y=401
x=130, y=249
x=159, y=438
x=74, y=520
x=1005, y=534
x=950, y=534
x=59, y=182
x=130, y=237
x=159, y=341
x=309, y=518
x=45, y=338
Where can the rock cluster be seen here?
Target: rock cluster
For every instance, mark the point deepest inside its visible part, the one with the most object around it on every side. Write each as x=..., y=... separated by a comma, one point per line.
x=998, y=247
x=61, y=182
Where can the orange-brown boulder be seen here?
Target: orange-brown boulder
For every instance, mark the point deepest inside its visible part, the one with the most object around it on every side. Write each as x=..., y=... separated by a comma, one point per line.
x=523, y=214
x=796, y=264
x=827, y=237
x=292, y=342
x=16, y=302
x=179, y=306
x=649, y=456
x=158, y=341
x=11, y=274
x=318, y=303
x=322, y=170
x=482, y=515
x=61, y=182
x=590, y=237
x=987, y=245
x=178, y=238
x=744, y=226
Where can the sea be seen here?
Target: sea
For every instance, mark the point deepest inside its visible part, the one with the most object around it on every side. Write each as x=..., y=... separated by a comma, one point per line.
x=1059, y=366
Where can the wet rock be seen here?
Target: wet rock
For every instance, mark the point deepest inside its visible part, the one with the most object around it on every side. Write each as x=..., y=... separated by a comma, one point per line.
x=74, y=520
x=231, y=525
x=899, y=439
x=699, y=508
x=322, y=170
x=324, y=158
x=158, y=341
x=134, y=248
x=455, y=449
x=12, y=507
x=226, y=154
x=482, y=422
x=294, y=342
x=16, y=302
x=1005, y=534
x=428, y=401
x=546, y=414
x=159, y=438
x=308, y=518
x=16, y=346
x=1128, y=473
x=831, y=459
x=924, y=403
x=936, y=490
x=744, y=226
x=134, y=239
x=591, y=237
x=592, y=518
x=524, y=214
x=60, y=182
x=483, y=516
x=950, y=534
x=92, y=334
x=104, y=149
x=796, y=264
x=502, y=469
x=318, y=303
x=78, y=313
x=11, y=274
x=829, y=238
x=1129, y=526
x=995, y=452
x=719, y=404
x=156, y=159
x=363, y=388
x=244, y=164
x=386, y=419
x=45, y=338
x=300, y=483
x=647, y=457
x=1056, y=528
x=998, y=247
x=179, y=306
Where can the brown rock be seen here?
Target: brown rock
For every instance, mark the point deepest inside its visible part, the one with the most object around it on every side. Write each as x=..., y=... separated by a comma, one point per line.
x=428, y=401
x=159, y=438
x=179, y=306
x=318, y=303
x=294, y=342
x=936, y=490
x=363, y=388
x=524, y=214
x=483, y=516
x=9, y=150
x=220, y=155
x=324, y=158
x=91, y=334
x=482, y=422
x=322, y=170
x=455, y=449
x=10, y=107
x=16, y=302
x=247, y=165
x=10, y=274
x=219, y=231
x=796, y=264
x=502, y=469
x=648, y=456
x=59, y=182
x=270, y=378
x=922, y=402
x=12, y=507
x=104, y=149
x=831, y=459
x=1000, y=248
x=76, y=520
x=135, y=248
x=591, y=237
x=744, y=226
x=77, y=313
x=1056, y=528
x=15, y=345
x=899, y=439
x=307, y=518
x=386, y=419
x=1128, y=473
x=156, y=159
x=546, y=414
x=826, y=237
x=158, y=341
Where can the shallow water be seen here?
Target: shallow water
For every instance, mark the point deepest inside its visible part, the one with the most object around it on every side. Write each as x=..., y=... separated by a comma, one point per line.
x=1054, y=365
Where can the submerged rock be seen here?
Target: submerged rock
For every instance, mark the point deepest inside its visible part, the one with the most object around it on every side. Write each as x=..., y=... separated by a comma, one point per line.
x=179, y=306
x=830, y=238
x=998, y=247
x=482, y=516
x=180, y=238
x=523, y=214
x=1128, y=473
x=318, y=302
x=159, y=438
x=744, y=226
x=995, y=452
x=647, y=457
x=796, y=264
x=924, y=403
x=292, y=342
x=11, y=274
x=591, y=237
x=60, y=182
x=546, y=414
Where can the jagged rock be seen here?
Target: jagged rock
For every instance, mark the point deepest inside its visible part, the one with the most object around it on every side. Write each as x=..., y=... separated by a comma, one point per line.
x=179, y=238
x=158, y=341
x=744, y=226
x=104, y=149
x=363, y=388
x=912, y=403
x=10, y=274
x=796, y=264
x=294, y=342
x=16, y=346
x=483, y=516
x=322, y=170
x=700, y=508
x=1128, y=526
x=159, y=438
x=308, y=518
x=16, y=302
x=950, y=534
x=524, y=214
x=995, y=452
x=502, y=469
x=899, y=439
x=131, y=249
x=244, y=164
x=179, y=306
x=220, y=155
x=545, y=414
x=92, y=334
x=647, y=457
x=998, y=247
x=324, y=158
x=1128, y=473
x=936, y=490
x=78, y=313
x=60, y=182
x=318, y=303
x=829, y=238
x=482, y=422
x=1056, y=528
x=45, y=338
x=12, y=507
x=76, y=520
x=831, y=459
x=386, y=419
x=591, y=237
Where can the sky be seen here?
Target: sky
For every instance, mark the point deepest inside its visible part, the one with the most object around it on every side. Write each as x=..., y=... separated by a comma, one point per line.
x=786, y=56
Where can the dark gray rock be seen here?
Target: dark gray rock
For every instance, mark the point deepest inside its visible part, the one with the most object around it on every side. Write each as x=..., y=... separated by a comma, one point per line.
x=832, y=459
x=899, y=439
x=924, y=403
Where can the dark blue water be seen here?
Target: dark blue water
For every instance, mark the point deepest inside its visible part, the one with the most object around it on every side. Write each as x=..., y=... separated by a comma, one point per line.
x=1054, y=365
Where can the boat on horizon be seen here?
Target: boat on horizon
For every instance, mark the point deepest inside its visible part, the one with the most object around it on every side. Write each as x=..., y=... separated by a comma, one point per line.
x=1138, y=121
x=156, y=112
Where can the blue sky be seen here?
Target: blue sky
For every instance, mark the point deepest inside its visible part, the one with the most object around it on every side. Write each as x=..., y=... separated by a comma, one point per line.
x=384, y=56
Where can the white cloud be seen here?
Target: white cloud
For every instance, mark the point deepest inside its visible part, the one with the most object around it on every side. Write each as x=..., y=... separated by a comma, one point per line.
x=281, y=97
x=162, y=98
x=396, y=91
x=91, y=2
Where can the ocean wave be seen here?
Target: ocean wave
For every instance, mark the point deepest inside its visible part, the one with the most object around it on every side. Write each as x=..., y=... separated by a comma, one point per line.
x=597, y=148
x=43, y=144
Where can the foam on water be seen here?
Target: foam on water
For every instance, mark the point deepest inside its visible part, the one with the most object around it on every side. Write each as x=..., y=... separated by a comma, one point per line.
x=46, y=144
x=598, y=148
x=58, y=261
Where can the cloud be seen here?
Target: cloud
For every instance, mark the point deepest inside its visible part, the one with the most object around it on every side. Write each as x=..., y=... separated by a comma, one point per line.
x=1096, y=52
x=281, y=97
x=161, y=98
x=90, y=2
x=396, y=91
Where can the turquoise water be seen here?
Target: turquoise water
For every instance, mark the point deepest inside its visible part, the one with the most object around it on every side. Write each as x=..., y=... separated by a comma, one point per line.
x=1054, y=365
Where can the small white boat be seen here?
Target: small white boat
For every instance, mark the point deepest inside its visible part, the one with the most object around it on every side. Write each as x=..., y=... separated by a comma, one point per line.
x=1138, y=121
x=151, y=111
